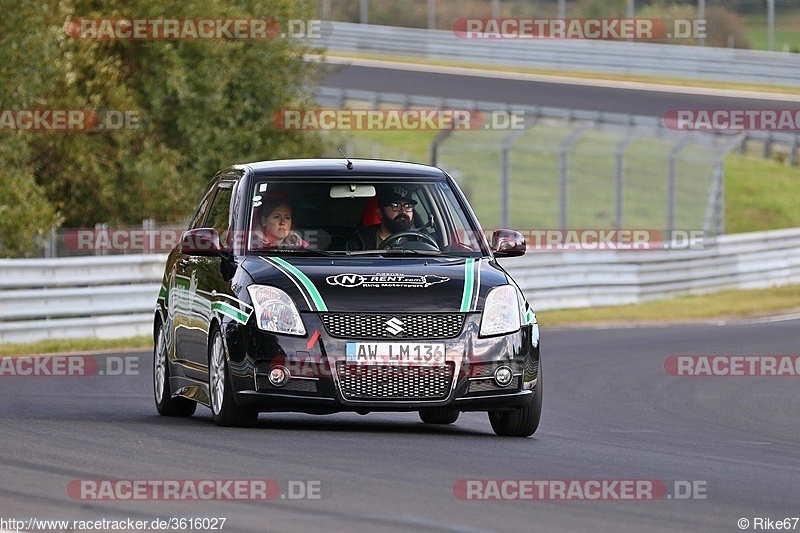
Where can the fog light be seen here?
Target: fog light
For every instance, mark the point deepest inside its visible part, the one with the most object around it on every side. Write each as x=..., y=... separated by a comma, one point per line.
x=278, y=376
x=503, y=376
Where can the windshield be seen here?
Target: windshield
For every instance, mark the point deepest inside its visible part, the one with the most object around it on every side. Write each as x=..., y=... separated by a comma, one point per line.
x=335, y=217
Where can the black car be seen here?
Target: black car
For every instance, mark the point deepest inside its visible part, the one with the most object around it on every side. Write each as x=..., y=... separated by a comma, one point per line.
x=293, y=291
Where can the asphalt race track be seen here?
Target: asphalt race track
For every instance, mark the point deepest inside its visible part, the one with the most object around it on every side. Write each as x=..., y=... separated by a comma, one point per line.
x=616, y=98
x=611, y=412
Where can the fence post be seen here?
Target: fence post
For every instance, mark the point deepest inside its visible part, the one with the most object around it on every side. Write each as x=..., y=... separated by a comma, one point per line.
x=505, y=177
x=148, y=244
x=101, y=228
x=363, y=14
x=50, y=246
x=711, y=221
x=771, y=25
x=620, y=178
x=563, y=191
x=436, y=142
x=701, y=15
x=672, y=184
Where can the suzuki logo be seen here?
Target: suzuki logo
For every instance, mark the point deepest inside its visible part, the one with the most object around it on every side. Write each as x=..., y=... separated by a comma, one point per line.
x=394, y=325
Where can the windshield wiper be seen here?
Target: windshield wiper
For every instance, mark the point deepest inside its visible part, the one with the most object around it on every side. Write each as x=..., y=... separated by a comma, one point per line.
x=391, y=251
x=305, y=251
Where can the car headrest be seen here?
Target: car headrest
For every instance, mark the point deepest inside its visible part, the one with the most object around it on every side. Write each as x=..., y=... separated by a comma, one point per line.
x=370, y=217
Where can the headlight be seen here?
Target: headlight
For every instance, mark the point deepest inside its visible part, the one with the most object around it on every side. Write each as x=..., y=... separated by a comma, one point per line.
x=501, y=312
x=275, y=310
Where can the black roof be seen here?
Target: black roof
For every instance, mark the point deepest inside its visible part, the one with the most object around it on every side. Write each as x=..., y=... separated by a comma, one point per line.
x=338, y=167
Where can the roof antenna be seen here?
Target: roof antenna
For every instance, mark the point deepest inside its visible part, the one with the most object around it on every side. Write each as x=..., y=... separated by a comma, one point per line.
x=349, y=163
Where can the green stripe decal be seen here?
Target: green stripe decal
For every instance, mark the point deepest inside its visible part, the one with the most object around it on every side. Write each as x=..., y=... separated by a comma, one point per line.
x=230, y=311
x=302, y=278
x=529, y=316
x=469, y=280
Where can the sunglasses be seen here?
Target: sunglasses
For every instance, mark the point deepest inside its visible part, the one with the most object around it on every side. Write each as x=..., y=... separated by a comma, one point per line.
x=395, y=206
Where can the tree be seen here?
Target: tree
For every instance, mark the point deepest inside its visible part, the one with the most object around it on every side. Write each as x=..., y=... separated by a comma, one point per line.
x=201, y=104
x=25, y=61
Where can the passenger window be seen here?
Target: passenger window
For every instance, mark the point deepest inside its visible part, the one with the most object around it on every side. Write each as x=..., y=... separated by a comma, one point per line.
x=200, y=213
x=219, y=213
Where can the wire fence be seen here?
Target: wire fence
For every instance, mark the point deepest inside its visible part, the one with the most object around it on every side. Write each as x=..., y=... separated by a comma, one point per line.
x=571, y=170
x=101, y=240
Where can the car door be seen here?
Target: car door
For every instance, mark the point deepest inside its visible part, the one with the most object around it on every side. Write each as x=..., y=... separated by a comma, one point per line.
x=178, y=309
x=204, y=277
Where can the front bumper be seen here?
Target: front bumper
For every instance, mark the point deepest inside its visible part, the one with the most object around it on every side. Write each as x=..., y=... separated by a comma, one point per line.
x=323, y=382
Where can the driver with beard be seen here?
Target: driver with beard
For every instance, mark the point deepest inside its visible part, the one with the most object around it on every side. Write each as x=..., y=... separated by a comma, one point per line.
x=395, y=211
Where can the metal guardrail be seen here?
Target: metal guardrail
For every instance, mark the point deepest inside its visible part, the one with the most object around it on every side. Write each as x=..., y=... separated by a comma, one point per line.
x=101, y=297
x=553, y=280
x=114, y=296
x=649, y=59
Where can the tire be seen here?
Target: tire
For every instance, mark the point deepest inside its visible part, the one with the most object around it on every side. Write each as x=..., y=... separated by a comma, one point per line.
x=165, y=403
x=220, y=392
x=439, y=415
x=522, y=422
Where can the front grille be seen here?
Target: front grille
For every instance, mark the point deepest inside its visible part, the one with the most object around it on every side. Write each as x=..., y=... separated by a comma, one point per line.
x=391, y=326
x=393, y=382
x=488, y=385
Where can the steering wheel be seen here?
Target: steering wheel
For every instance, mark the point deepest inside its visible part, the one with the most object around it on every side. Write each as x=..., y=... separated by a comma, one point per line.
x=426, y=241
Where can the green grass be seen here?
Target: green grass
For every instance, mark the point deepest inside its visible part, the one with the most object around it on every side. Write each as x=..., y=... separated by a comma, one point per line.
x=76, y=345
x=785, y=40
x=726, y=304
x=760, y=194
x=787, y=30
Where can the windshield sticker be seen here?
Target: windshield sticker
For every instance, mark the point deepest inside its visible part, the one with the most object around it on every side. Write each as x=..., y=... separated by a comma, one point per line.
x=383, y=280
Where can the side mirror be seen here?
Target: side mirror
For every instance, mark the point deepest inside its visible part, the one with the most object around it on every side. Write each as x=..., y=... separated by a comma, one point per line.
x=508, y=243
x=201, y=241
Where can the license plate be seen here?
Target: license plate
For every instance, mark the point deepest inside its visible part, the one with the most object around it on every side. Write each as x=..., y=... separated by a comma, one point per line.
x=396, y=353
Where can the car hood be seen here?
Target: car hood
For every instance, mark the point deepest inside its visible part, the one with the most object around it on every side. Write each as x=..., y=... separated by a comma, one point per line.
x=345, y=284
